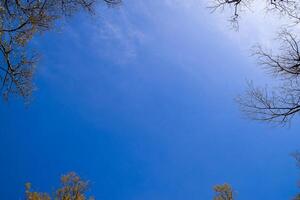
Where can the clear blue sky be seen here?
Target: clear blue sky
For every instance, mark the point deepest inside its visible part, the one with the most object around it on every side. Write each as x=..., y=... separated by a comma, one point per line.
x=139, y=101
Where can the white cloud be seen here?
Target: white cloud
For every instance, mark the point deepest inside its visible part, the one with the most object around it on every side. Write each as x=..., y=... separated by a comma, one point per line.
x=255, y=26
x=118, y=36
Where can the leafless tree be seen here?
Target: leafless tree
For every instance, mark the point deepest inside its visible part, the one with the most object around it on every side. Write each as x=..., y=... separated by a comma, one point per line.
x=281, y=103
x=235, y=5
x=289, y=8
x=20, y=21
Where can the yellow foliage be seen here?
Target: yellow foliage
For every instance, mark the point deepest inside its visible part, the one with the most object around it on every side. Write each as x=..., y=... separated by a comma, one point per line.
x=72, y=188
x=223, y=192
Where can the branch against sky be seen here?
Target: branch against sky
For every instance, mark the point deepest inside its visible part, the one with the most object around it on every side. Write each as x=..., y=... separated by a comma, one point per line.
x=282, y=103
x=290, y=9
x=72, y=188
x=279, y=104
x=20, y=21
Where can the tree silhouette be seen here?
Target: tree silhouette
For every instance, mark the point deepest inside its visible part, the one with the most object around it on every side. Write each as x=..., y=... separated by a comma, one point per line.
x=281, y=103
x=20, y=21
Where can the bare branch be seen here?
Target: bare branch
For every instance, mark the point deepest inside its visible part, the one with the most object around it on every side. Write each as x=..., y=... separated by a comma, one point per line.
x=286, y=63
x=20, y=21
x=279, y=105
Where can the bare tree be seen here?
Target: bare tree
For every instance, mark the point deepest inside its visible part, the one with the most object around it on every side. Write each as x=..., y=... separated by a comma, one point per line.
x=289, y=8
x=281, y=103
x=20, y=21
x=278, y=104
x=235, y=5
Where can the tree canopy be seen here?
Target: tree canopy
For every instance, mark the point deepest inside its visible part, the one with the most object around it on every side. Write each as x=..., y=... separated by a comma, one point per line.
x=223, y=192
x=72, y=188
x=20, y=21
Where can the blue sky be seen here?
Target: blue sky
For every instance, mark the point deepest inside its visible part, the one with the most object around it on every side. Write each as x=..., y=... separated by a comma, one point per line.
x=139, y=101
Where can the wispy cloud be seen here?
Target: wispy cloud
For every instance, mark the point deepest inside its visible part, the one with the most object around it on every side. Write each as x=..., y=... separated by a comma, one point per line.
x=121, y=36
x=118, y=36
